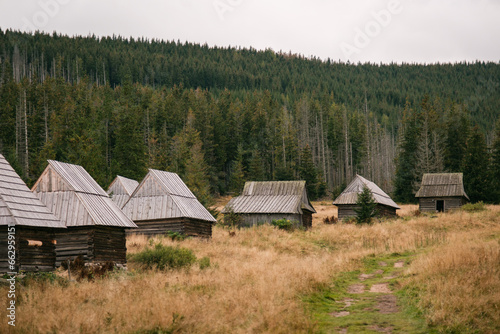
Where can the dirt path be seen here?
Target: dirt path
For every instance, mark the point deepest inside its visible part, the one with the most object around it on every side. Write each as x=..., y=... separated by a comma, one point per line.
x=372, y=290
x=367, y=301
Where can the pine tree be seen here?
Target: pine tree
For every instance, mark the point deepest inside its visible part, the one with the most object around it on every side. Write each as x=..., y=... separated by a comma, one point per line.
x=256, y=170
x=237, y=179
x=309, y=173
x=405, y=178
x=365, y=207
x=457, y=132
x=495, y=164
x=196, y=175
x=475, y=167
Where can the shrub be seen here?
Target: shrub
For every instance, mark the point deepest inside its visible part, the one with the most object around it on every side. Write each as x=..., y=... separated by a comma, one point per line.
x=231, y=219
x=176, y=236
x=330, y=220
x=165, y=257
x=476, y=207
x=204, y=262
x=283, y=224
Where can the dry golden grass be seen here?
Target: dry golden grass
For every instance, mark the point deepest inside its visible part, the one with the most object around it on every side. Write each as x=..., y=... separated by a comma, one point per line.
x=256, y=279
x=459, y=282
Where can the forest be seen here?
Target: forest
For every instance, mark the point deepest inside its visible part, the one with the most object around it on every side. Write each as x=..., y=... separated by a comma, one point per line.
x=221, y=116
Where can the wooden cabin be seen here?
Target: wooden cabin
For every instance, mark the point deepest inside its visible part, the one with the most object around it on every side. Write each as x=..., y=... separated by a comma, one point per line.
x=27, y=223
x=163, y=203
x=95, y=225
x=346, y=202
x=121, y=189
x=263, y=202
x=441, y=192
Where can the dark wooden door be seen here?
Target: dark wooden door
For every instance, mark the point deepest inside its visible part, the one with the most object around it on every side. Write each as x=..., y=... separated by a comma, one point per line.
x=440, y=206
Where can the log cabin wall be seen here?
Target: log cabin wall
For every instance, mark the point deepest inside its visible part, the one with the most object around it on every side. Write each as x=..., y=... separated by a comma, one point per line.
x=4, y=260
x=110, y=244
x=34, y=249
x=96, y=244
x=348, y=211
x=248, y=220
x=72, y=242
x=31, y=256
x=187, y=226
x=427, y=204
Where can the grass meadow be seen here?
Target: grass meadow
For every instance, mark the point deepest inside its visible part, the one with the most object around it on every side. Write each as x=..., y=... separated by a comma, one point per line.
x=261, y=280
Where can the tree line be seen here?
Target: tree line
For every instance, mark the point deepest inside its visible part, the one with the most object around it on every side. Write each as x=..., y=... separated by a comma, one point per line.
x=115, y=106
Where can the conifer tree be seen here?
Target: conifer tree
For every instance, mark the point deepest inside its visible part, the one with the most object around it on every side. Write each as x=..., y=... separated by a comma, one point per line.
x=309, y=173
x=457, y=132
x=196, y=175
x=256, y=170
x=237, y=179
x=365, y=207
x=405, y=178
x=475, y=167
x=495, y=164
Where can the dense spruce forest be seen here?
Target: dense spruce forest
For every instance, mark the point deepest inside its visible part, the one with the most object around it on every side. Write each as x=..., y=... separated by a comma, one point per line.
x=220, y=116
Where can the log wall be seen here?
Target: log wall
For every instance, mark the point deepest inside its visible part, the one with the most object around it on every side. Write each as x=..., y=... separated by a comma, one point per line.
x=186, y=226
x=427, y=204
x=248, y=220
x=29, y=258
x=347, y=211
x=94, y=243
x=110, y=244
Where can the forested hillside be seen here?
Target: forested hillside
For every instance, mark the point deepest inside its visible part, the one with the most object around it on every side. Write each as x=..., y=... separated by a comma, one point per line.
x=220, y=116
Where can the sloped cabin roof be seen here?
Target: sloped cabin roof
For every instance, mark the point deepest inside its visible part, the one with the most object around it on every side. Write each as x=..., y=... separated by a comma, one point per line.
x=18, y=205
x=271, y=197
x=350, y=195
x=163, y=195
x=76, y=198
x=120, y=190
x=442, y=185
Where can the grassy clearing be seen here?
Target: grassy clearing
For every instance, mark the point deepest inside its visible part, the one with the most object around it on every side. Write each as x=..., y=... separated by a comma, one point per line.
x=259, y=279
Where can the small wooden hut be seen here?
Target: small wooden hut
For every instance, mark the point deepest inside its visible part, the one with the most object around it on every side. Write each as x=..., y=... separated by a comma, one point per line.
x=121, y=189
x=163, y=203
x=441, y=192
x=27, y=224
x=263, y=202
x=95, y=225
x=347, y=200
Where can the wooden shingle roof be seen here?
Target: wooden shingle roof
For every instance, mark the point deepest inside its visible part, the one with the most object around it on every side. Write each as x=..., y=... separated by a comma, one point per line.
x=120, y=190
x=350, y=195
x=76, y=198
x=442, y=185
x=271, y=197
x=163, y=195
x=18, y=205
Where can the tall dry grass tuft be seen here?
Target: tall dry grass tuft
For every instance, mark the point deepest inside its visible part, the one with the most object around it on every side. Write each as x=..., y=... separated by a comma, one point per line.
x=459, y=285
x=254, y=284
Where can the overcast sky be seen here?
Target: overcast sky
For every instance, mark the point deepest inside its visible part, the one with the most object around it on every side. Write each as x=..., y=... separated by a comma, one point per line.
x=357, y=30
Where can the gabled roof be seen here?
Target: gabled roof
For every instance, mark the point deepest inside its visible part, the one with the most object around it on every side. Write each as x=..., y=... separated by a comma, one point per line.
x=350, y=195
x=163, y=195
x=442, y=185
x=77, y=178
x=123, y=186
x=18, y=205
x=76, y=198
x=271, y=197
x=120, y=190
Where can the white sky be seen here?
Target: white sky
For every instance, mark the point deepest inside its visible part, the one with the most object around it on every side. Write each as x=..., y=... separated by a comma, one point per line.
x=421, y=31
